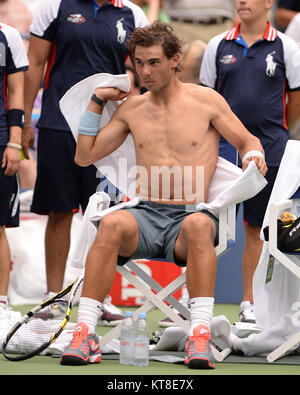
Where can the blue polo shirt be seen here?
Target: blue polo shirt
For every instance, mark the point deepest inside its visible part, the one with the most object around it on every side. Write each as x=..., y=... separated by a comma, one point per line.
x=86, y=39
x=254, y=81
x=13, y=59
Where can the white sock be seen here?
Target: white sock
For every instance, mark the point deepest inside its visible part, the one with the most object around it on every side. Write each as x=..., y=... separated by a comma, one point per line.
x=201, y=312
x=88, y=312
x=245, y=304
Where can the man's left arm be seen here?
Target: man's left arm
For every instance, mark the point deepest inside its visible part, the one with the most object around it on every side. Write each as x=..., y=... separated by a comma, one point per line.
x=232, y=129
x=153, y=10
x=16, y=64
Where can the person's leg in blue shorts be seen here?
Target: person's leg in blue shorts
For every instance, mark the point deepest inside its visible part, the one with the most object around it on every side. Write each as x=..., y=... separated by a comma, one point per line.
x=61, y=189
x=9, y=217
x=254, y=212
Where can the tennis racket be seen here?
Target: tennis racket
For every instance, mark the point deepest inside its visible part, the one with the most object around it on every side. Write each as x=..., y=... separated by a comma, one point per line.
x=42, y=325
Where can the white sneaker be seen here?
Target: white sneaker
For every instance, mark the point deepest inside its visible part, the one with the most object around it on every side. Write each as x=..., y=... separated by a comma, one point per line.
x=246, y=313
x=4, y=307
x=8, y=314
x=111, y=315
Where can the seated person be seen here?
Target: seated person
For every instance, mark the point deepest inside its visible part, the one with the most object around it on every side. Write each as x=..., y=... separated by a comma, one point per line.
x=175, y=127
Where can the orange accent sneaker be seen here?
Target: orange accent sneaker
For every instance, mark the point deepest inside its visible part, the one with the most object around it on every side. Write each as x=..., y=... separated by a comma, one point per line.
x=198, y=349
x=83, y=349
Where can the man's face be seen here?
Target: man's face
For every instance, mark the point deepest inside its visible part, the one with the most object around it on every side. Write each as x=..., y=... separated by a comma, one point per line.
x=252, y=9
x=153, y=67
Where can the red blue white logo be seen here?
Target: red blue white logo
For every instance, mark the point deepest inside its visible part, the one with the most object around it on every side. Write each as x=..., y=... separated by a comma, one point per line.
x=76, y=18
x=228, y=59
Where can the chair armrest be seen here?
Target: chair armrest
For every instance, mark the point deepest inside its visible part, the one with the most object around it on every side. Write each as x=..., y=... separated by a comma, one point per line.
x=227, y=221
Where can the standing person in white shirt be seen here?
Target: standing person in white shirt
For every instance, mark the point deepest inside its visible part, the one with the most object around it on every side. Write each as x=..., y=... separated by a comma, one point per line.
x=254, y=67
x=13, y=62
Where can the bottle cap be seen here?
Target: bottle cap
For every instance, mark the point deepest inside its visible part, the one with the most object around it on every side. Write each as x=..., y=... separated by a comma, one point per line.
x=142, y=315
x=128, y=313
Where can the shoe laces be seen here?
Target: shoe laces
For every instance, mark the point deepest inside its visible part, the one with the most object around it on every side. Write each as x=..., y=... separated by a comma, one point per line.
x=200, y=339
x=200, y=342
x=80, y=334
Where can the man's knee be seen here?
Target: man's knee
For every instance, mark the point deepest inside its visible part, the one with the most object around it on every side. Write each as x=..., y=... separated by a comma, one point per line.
x=199, y=228
x=117, y=227
x=252, y=231
x=58, y=218
x=111, y=226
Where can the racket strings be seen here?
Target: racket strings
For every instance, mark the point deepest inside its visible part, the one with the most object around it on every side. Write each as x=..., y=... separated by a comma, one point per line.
x=55, y=310
x=41, y=327
x=38, y=330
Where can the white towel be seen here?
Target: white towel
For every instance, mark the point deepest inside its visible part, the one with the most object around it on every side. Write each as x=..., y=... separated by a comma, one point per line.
x=269, y=303
x=276, y=302
x=97, y=202
x=115, y=167
x=97, y=208
x=224, y=192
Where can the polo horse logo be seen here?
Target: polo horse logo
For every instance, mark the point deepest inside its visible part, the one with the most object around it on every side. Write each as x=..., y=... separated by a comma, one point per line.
x=121, y=31
x=271, y=65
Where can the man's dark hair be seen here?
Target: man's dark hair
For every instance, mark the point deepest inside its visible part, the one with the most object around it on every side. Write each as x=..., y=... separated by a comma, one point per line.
x=156, y=34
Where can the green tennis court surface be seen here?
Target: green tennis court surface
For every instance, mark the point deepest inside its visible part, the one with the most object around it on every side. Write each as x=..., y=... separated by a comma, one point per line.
x=233, y=365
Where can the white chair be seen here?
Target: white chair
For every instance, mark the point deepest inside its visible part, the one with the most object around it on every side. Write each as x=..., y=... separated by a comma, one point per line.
x=161, y=297
x=286, y=260
x=229, y=186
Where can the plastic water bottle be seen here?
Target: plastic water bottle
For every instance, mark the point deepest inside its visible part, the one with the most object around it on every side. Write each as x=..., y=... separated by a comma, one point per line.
x=141, y=345
x=127, y=338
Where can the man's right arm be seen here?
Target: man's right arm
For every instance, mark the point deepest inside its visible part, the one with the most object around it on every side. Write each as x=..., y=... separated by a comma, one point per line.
x=94, y=144
x=43, y=33
x=38, y=53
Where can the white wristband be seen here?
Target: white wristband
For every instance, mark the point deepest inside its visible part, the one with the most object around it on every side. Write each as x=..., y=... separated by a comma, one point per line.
x=14, y=145
x=252, y=153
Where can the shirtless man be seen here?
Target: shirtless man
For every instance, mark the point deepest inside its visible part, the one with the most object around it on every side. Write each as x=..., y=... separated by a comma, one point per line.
x=174, y=125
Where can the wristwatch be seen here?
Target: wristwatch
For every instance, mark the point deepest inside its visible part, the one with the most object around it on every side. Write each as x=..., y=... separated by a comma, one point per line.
x=97, y=100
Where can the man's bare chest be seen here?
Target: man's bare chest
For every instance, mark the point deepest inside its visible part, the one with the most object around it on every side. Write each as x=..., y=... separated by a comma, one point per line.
x=174, y=132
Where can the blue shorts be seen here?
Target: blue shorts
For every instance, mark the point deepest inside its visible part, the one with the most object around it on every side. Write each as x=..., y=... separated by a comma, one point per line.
x=9, y=198
x=61, y=185
x=159, y=225
x=255, y=208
